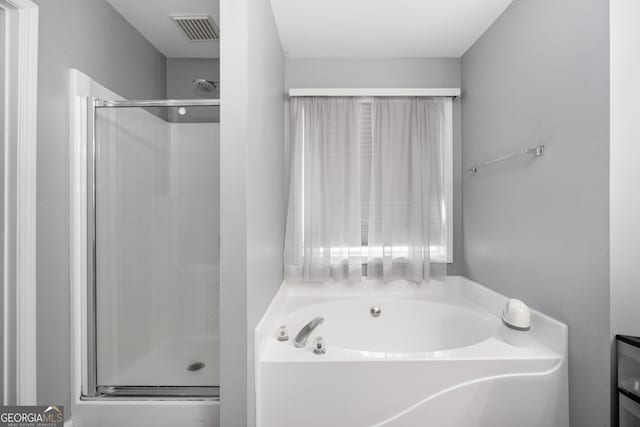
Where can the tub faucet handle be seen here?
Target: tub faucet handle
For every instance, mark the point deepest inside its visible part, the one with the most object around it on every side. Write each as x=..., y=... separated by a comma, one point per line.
x=319, y=347
x=283, y=335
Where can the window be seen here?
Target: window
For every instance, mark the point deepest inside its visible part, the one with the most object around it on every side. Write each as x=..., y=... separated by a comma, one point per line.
x=439, y=252
x=370, y=182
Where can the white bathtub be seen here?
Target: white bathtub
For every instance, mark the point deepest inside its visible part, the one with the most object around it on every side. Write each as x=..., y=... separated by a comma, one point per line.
x=436, y=356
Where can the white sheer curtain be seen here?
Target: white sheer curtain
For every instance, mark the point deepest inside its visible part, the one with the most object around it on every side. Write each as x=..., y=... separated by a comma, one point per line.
x=398, y=144
x=323, y=216
x=407, y=218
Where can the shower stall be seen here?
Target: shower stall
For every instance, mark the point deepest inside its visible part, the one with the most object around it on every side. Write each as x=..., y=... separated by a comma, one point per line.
x=152, y=292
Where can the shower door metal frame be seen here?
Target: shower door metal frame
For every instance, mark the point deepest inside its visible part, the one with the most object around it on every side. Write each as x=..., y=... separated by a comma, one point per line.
x=101, y=103
x=91, y=390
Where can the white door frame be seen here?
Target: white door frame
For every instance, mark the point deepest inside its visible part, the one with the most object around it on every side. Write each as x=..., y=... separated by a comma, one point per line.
x=19, y=202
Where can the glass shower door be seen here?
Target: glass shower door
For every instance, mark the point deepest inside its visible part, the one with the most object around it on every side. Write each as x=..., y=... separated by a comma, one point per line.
x=156, y=259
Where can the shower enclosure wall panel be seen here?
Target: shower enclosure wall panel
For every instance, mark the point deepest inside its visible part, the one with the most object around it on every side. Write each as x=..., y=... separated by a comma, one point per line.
x=195, y=252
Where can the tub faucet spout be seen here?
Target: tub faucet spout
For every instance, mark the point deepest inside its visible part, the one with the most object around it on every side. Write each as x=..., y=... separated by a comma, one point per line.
x=303, y=335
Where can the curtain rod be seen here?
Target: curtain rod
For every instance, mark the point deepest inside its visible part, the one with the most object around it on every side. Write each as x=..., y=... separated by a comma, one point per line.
x=438, y=91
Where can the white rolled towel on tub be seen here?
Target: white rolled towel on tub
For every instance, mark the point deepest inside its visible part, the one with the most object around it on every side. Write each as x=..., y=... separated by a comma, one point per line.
x=516, y=318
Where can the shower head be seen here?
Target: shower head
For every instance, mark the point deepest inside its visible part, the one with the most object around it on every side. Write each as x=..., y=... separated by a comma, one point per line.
x=205, y=86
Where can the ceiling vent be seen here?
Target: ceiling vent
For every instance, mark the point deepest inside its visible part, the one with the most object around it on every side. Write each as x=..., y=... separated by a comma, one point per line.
x=197, y=28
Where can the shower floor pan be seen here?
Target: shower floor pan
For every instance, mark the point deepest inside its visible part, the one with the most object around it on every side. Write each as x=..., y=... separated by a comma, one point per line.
x=184, y=368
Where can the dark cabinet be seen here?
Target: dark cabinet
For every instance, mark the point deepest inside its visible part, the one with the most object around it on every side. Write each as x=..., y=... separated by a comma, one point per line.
x=628, y=349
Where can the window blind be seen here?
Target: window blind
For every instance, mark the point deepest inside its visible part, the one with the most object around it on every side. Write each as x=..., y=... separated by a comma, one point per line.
x=366, y=143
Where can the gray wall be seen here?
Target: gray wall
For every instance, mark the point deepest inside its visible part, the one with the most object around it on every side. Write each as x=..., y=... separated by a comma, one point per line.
x=625, y=175
x=90, y=36
x=265, y=176
x=252, y=193
x=392, y=72
x=373, y=72
x=233, y=211
x=182, y=71
x=538, y=229
x=180, y=75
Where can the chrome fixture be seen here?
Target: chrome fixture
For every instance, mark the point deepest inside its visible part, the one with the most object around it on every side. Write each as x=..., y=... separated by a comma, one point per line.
x=123, y=103
x=318, y=347
x=303, y=335
x=139, y=393
x=206, y=86
x=283, y=335
x=538, y=151
x=375, y=311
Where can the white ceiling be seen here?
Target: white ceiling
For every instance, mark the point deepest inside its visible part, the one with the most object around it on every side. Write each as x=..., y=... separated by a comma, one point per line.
x=383, y=28
x=152, y=19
